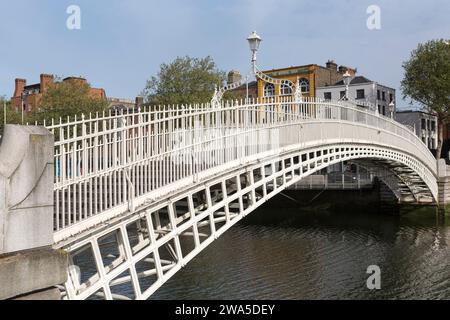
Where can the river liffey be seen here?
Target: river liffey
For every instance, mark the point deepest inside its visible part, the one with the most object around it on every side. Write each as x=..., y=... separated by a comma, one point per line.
x=293, y=253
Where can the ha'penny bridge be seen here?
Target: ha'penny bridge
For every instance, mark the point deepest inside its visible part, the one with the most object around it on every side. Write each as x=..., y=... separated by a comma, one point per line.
x=135, y=196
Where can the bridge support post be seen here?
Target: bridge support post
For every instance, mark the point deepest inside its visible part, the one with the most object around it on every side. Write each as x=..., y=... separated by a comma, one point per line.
x=29, y=267
x=443, y=187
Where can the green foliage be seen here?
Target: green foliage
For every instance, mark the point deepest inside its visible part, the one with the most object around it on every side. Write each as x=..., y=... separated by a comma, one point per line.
x=427, y=81
x=67, y=99
x=185, y=80
x=12, y=117
x=427, y=77
x=233, y=95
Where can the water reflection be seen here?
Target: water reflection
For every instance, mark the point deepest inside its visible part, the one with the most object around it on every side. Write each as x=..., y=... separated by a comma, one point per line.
x=294, y=253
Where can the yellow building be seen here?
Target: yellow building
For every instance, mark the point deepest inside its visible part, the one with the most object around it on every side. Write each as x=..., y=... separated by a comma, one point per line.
x=311, y=76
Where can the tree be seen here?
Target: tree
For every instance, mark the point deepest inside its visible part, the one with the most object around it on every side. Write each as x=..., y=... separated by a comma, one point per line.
x=185, y=80
x=12, y=117
x=67, y=99
x=427, y=81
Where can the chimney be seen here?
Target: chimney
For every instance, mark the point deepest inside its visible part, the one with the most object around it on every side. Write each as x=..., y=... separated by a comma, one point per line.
x=234, y=76
x=46, y=80
x=139, y=101
x=331, y=65
x=20, y=86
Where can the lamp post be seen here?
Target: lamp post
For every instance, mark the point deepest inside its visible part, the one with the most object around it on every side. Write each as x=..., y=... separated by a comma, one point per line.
x=246, y=89
x=254, y=41
x=23, y=105
x=4, y=112
x=392, y=108
x=347, y=78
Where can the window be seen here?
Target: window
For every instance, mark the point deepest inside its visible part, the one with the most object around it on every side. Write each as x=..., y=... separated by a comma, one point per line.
x=384, y=110
x=327, y=95
x=433, y=125
x=378, y=95
x=379, y=109
x=384, y=96
x=391, y=97
x=285, y=90
x=269, y=90
x=304, y=85
x=424, y=126
x=428, y=124
x=360, y=94
x=342, y=94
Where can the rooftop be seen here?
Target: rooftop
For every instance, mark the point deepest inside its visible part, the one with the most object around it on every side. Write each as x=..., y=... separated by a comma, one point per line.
x=74, y=78
x=33, y=86
x=289, y=68
x=355, y=80
x=250, y=85
x=414, y=111
x=312, y=65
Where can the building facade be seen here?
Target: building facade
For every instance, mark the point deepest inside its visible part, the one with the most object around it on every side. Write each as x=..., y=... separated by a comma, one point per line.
x=446, y=141
x=247, y=90
x=117, y=105
x=310, y=76
x=361, y=89
x=27, y=97
x=423, y=123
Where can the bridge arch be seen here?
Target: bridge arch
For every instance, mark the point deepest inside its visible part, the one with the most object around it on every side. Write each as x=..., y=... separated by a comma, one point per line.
x=152, y=189
x=170, y=232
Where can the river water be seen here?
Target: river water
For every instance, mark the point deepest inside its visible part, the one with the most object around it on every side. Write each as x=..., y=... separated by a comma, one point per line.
x=294, y=253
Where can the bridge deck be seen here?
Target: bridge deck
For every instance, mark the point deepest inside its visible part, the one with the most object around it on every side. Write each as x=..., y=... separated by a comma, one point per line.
x=147, y=181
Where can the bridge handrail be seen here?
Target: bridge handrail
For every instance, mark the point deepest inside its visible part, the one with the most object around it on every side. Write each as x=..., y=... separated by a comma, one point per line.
x=98, y=157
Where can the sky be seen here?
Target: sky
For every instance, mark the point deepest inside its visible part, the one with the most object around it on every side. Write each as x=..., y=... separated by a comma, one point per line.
x=122, y=43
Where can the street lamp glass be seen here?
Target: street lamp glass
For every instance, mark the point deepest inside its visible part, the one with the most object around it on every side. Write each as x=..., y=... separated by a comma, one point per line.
x=346, y=77
x=391, y=106
x=254, y=40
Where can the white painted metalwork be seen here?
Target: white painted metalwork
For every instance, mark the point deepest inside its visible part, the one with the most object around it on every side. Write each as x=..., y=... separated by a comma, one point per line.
x=105, y=165
x=132, y=188
x=295, y=89
x=218, y=93
x=347, y=79
x=323, y=182
x=287, y=87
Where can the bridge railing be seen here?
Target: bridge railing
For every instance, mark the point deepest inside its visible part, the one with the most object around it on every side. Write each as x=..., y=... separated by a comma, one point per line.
x=107, y=164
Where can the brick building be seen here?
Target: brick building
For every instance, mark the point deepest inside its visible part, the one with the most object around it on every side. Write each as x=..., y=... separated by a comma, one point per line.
x=241, y=92
x=311, y=77
x=28, y=96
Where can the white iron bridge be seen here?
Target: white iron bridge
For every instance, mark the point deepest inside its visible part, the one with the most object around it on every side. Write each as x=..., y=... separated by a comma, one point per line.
x=138, y=195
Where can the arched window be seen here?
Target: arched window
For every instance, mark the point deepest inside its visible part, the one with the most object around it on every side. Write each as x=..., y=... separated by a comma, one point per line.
x=304, y=85
x=269, y=90
x=285, y=90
